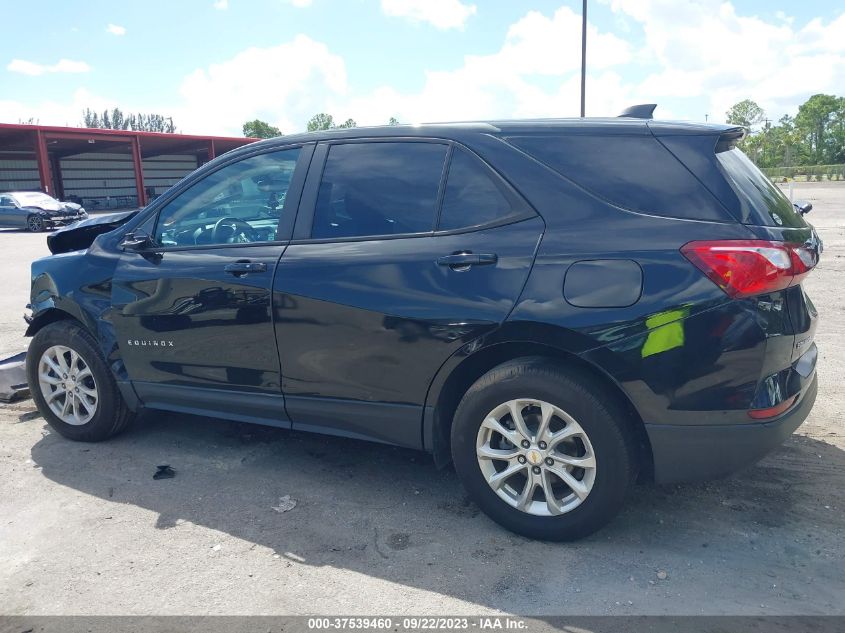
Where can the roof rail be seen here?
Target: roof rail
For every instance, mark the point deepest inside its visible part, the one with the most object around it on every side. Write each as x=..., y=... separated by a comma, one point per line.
x=641, y=111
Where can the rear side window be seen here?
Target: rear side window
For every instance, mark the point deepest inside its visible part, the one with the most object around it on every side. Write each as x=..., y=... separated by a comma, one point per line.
x=632, y=172
x=474, y=196
x=761, y=202
x=382, y=188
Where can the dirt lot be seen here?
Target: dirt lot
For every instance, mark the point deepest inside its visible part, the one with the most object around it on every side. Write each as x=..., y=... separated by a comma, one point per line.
x=84, y=529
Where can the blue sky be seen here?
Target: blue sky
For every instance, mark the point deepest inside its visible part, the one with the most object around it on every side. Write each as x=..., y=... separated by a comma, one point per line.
x=211, y=64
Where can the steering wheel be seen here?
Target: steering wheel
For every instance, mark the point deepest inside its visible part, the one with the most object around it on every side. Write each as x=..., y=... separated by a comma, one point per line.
x=235, y=226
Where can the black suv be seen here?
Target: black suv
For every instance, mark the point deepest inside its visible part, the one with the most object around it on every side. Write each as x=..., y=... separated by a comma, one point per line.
x=555, y=306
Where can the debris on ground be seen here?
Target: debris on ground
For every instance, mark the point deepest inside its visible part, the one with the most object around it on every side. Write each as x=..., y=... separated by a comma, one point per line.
x=285, y=504
x=164, y=472
x=662, y=575
x=13, y=384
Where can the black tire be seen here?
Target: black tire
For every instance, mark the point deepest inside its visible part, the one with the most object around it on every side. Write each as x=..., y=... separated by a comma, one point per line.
x=602, y=418
x=111, y=416
x=34, y=223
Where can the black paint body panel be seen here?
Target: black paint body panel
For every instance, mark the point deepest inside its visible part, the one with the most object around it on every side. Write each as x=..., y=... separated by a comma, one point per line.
x=361, y=337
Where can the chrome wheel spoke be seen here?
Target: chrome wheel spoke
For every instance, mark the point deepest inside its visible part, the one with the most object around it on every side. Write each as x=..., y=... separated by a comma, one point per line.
x=548, y=491
x=493, y=424
x=50, y=380
x=547, y=412
x=497, y=480
x=516, y=407
x=527, y=494
x=88, y=392
x=587, y=461
x=52, y=365
x=487, y=452
x=578, y=487
x=570, y=430
x=56, y=394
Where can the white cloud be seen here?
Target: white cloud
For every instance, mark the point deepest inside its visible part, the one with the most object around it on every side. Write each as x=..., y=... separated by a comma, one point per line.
x=221, y=5
x=443, y=14
x=34, y=69
x=707, y=51
x=116, y=29
x=284, y=85
x=534, y=73
x=48, y=112
x=301, y=4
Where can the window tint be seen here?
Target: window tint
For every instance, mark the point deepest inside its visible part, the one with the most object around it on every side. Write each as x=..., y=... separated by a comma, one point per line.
x=238, y=204
x=633, y=172
x=761, y=201
x=472, y=196
x=378, y=189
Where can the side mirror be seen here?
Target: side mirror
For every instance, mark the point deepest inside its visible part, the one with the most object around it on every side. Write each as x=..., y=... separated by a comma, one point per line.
x=136, y=241
x=803, y=207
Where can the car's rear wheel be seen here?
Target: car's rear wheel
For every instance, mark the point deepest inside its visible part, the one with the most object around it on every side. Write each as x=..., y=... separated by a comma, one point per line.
x=544, y=451
x=35, y=223
x=72, y=386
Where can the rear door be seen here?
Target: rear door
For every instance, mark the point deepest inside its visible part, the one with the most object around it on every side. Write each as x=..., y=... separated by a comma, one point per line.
x=392, y=269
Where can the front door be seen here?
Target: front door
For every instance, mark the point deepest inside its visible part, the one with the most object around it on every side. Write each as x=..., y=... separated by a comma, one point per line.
x=193, y=312
x=378, y=292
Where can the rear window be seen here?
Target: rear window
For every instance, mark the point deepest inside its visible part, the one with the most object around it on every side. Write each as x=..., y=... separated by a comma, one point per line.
x=384, y=188
x=761, y=202
x=632, y=172
x=473, y=197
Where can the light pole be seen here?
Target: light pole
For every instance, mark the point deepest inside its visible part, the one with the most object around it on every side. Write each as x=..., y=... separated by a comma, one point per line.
x=583, y=57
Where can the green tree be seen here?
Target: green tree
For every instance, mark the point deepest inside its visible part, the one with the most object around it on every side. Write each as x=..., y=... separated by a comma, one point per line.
x=348, y=123
x=321, y=121
x=137, y=122
x=260, y=129
x=393, y=121
x=745, y=113
x=815, y=124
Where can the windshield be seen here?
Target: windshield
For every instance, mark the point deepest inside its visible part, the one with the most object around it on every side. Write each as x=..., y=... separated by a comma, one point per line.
x=761, y=202
x=25, y=198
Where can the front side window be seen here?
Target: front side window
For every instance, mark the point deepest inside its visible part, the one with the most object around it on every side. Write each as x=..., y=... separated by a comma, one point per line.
x=472, y=195
x=379, y=188
x=238, y=204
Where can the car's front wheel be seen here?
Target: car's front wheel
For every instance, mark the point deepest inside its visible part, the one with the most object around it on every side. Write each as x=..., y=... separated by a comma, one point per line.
x=72, y=386
x=35, y=223
x=544, y=451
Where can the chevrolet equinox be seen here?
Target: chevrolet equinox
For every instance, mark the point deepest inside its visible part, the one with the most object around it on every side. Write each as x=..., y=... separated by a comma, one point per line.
x=557, y=307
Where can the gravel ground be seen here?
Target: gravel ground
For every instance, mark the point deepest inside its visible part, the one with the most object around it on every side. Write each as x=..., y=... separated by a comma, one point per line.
x=84, y=529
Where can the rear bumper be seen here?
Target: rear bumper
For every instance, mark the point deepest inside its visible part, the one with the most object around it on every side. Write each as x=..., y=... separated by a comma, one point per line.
x=684, y=453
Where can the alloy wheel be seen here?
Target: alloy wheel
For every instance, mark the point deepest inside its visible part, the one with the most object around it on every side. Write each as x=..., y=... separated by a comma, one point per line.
x=35, y=224
x=536, y=457
x=67, y=385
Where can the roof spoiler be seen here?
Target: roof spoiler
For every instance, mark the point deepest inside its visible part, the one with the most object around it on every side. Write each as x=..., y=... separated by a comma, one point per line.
x=729, y=138
x=641, y=111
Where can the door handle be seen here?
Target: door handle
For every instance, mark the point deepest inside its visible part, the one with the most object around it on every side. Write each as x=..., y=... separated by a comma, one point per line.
x=245, y=267
x=466, y=259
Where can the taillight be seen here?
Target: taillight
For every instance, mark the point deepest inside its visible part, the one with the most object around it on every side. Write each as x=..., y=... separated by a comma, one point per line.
x=750, y=267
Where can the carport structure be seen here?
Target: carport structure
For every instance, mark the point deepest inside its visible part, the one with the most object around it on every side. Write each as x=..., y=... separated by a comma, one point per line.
x=102, y=168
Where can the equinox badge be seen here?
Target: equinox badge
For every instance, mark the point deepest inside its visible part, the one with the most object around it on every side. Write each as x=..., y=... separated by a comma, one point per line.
x=148, y=343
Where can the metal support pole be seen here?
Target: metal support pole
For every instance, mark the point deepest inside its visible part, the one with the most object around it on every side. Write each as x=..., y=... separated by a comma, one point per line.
x=583, y=58
x=212, y=151
x=43, y=161
x=139, y=171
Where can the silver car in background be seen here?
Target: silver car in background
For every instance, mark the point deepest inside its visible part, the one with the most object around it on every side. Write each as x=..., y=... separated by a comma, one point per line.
x=37, y=211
